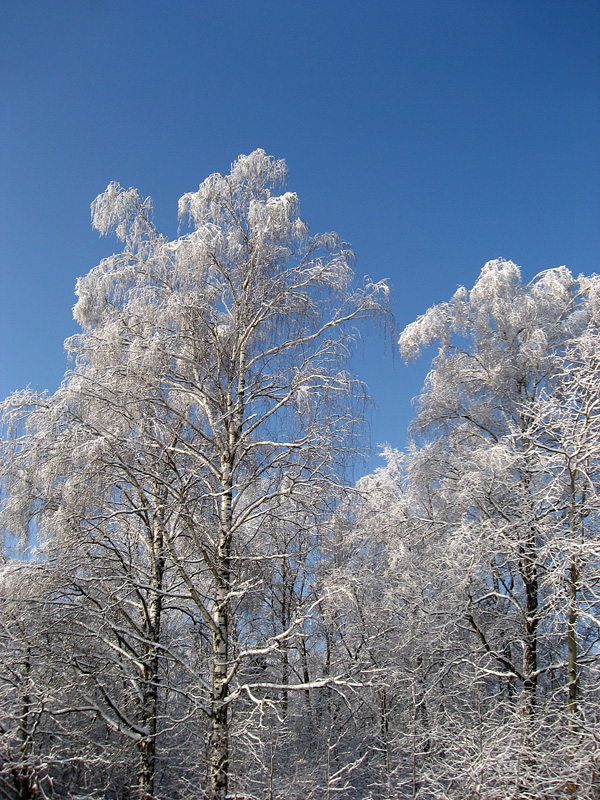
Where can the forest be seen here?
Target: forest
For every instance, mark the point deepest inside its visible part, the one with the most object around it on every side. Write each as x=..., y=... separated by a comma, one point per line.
x=199, y=598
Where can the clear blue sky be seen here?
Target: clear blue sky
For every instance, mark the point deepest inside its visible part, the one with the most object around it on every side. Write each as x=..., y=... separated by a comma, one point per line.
x=433, y=136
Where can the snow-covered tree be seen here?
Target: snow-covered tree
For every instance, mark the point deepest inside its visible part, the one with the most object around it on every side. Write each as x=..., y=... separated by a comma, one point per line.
x=483, y=451
x=210, y=406
x=79, y=483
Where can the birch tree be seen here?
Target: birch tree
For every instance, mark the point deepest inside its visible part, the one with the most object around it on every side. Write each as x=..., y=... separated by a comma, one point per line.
x=80, y=482
x=567, y=428
x=503, y=351
x=222, y=362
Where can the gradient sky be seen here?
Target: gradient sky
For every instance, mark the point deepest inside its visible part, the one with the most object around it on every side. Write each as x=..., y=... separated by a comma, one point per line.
x=433, y=136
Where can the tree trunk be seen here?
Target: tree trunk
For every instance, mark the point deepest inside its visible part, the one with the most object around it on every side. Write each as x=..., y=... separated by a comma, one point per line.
x=572, y=646
x=529, y=575
x=530, y=677
x=151, y=666
x=573, y=580
x=219, y=723
x=146, y=769
x=219, y=731
x=572, y=667
x=285, y=622
x=23, y=775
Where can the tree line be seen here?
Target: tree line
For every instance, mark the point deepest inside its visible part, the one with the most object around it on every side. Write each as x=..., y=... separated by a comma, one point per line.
x=198, y=601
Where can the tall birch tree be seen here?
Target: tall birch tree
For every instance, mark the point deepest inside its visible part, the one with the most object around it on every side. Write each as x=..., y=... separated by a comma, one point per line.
x=237, y=336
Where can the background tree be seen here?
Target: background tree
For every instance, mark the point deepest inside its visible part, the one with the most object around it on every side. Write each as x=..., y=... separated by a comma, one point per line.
x=91, y=492
x=502, y=352
x=567, y=430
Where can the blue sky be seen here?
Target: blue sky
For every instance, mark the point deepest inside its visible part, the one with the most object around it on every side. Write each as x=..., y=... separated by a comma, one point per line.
x=433, y=136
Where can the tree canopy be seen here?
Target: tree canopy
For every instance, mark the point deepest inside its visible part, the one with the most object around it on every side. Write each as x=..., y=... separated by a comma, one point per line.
x=198, y=602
